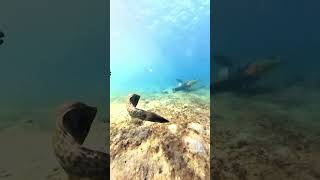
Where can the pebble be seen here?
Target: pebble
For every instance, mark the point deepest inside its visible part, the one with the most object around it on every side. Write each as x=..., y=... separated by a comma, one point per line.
x=173, y=128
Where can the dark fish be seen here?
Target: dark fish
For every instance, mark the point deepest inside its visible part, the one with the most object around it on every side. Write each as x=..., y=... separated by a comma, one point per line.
x=244, y=78
x=184, y=86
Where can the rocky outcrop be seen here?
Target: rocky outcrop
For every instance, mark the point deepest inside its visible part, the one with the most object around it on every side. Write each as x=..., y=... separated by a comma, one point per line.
x=179, y=149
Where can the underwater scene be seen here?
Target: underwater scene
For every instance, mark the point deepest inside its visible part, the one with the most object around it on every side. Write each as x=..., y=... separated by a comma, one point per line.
x=266, y=96
x=51, y=52
x=160, y=89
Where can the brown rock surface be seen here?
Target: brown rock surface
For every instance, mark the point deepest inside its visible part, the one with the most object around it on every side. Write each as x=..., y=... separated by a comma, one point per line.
x=179, y=149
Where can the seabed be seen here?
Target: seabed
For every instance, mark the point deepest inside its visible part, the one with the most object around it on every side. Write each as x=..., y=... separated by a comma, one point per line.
x=267, y=137
x=30, y=141
x=148, y=150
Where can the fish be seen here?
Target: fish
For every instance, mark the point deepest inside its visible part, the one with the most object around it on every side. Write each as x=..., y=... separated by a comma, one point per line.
x=261, y=66
x=245, y=77
x=184, y=85
x=179, y=82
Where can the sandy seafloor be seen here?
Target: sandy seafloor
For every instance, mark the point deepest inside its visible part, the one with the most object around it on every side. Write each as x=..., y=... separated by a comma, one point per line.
x=27, y=153
x=266, y=136
x=149, y=150
x=271, y=136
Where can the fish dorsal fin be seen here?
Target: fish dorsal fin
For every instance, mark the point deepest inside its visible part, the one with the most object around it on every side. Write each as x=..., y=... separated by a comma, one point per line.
x=179, y=81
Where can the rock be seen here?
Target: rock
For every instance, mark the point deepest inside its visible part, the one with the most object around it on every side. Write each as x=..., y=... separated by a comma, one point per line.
x=179, y=149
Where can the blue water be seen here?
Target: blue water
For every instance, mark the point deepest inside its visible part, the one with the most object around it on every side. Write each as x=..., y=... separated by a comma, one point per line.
x=155, y=42
x=258, y=28
x=255, y=28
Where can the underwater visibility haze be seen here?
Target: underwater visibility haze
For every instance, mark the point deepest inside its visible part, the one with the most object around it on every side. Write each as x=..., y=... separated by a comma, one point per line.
x=52, y=52
x=153, y=43
x=266, y=123
x=160, y=52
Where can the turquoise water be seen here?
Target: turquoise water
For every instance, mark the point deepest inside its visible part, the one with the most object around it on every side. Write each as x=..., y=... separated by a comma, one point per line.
x=51, y=55
x=153, y=43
